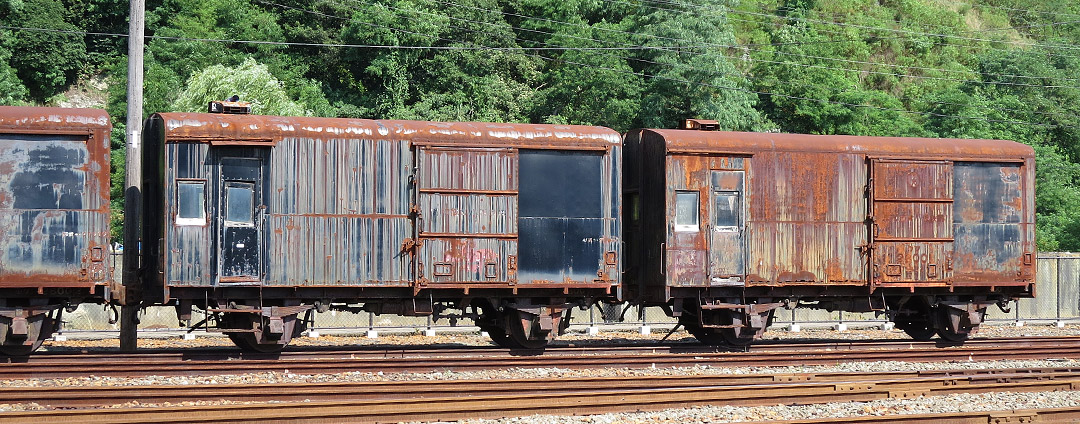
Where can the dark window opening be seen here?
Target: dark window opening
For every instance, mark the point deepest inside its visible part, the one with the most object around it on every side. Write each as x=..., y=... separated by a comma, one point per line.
x=726, y=210
x=239, y=208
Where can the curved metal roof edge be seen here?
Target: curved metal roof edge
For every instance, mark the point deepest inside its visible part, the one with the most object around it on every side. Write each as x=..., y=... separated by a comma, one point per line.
x=274, y=127
x=729, y=141
x=37, y=117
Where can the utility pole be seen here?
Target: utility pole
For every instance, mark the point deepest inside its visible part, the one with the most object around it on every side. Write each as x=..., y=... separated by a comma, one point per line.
x=132, y=296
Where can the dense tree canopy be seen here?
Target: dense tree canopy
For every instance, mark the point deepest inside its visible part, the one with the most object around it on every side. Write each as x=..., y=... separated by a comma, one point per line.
x=1004, y=69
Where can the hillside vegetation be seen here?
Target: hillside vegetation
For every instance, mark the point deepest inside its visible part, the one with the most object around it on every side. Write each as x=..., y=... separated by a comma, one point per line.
x=1003, y=69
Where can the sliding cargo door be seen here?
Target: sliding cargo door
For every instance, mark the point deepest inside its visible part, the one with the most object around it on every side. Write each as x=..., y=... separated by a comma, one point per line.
x=466, y=216
x=912, y=222
x=561, y=217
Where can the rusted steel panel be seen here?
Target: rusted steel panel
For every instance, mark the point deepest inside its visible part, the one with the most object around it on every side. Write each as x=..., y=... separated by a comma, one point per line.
x=815, y=213
x=472, y=170
x=189, y=245
x=54, y=197
x=209, y=127
x=349, y=202
x=913, y=220
x=468, y=219
x=912, y=180
x=470, y=214
x=807, y=218
x=460, y=260
x=680, y=141
x=991, y=238
x=916, y=263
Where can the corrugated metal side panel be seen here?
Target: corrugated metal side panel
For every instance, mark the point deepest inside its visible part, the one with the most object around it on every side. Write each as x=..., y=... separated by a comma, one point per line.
x=914, y=220
x=988, y=220
x=336, y=251
x=806, y=221
x=470, y=213
x=912, y=180
x=338, y=212
x=339, y=177
x=189, y=246
x=468, y=169
x=467, y=195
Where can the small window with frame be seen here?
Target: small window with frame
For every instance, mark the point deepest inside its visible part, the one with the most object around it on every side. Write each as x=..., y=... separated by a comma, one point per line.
x=727, y=211
x=686, y=211
x=239, y=204
x=191, y=202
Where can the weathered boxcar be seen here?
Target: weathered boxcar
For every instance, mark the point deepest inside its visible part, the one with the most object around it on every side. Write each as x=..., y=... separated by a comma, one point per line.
x=260, y=219
x=722, y=228
x=54, y=219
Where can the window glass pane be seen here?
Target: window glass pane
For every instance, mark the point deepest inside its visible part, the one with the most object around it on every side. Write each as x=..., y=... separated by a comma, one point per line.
x=239, y=208
x=686, y=210
x=726, y=211
x=190, y=203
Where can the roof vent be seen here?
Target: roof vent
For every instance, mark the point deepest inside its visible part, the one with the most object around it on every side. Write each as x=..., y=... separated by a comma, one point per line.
x=700, y=125
x=232, y=106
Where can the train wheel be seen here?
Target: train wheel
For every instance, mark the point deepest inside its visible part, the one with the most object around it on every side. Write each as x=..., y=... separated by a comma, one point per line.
x=708, y=336
x=488, y=320
x=39, y=326
x=919, y=330
x=917, y=321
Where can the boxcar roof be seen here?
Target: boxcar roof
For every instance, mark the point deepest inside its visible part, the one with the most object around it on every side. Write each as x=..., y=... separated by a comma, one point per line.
x=262, y=128
x=689, y=141
x=52, y=118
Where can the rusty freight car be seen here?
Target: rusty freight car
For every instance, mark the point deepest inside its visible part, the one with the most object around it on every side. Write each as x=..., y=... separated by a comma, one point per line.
x=54, y=219
x=260, y=219
x=723, y=228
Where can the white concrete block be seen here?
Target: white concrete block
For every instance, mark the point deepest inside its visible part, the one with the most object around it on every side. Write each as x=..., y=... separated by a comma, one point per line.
x=888, y=326
x=189, y=336
x=59, y=338
x=593, y=330
x=372, y=334
x=840, y=327
x=646, y=330
x=484, y=334
x=795, y=328
x=1060, y=324
x=429, y=332
x=313, y=334
x=1019, y=323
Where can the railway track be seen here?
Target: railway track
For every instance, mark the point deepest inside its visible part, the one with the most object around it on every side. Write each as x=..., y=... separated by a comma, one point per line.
x=465, y=359
x=450, y=400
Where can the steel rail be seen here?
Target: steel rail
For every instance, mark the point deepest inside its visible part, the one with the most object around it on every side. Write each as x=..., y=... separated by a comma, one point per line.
x=559, y=402
x=118, y=367
x=404, y=351
x=1049, y=415
x=91, y=396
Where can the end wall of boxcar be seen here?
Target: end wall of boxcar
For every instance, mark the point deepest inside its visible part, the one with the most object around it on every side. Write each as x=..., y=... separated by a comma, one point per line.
x=54, y=218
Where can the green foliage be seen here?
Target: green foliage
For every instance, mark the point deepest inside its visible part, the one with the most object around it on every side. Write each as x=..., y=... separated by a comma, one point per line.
x=251, y=81
x=45, y=62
